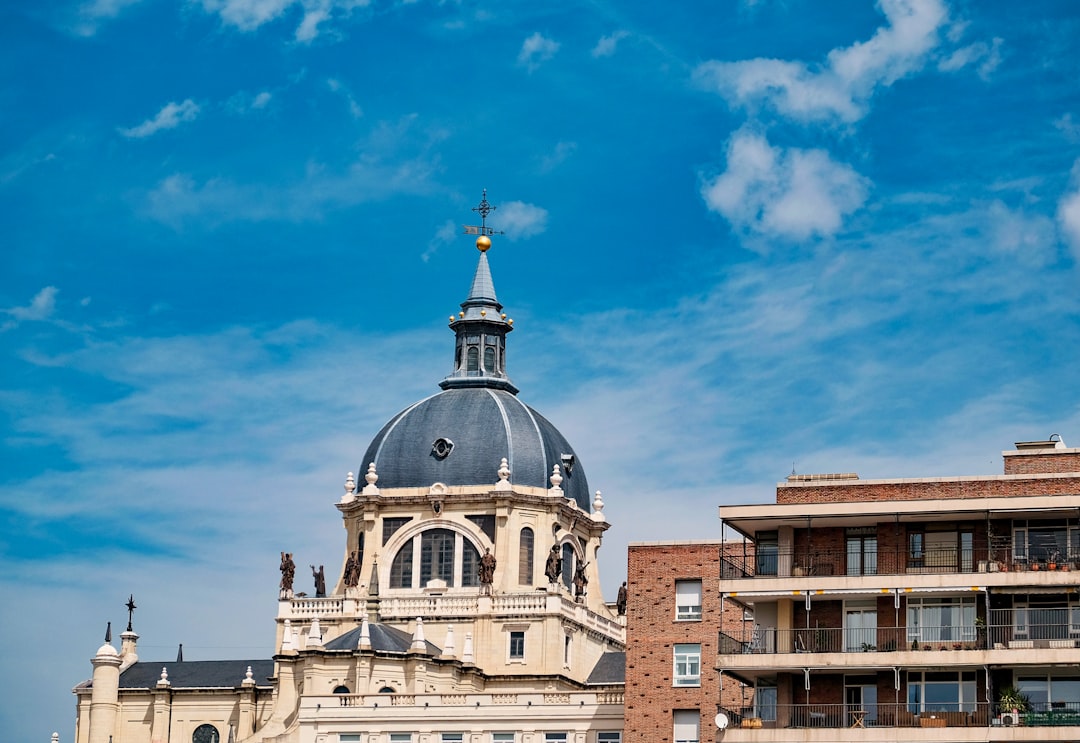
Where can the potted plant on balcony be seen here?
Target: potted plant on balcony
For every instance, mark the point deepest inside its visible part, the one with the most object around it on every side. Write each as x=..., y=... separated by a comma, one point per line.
x=980, y=632
x=1052, y=560
x=1012, y=699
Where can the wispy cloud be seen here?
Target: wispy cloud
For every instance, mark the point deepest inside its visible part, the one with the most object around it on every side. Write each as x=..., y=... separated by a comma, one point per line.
x=985, y=56
x=1068, y=213
x=520, y=220
x=791, y=193
x=341, y=89
x=262, y=100
x=170, y=116
x=841, y=88
x=606, y=46
x=92, y=14
x=536, y=50
x=443, y=236
x=41, y=307
x=249, y=15
x=557, y=157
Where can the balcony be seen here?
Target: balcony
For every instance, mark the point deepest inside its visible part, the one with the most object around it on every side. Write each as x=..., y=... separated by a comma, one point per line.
x=1044, y=628
x=900, y=715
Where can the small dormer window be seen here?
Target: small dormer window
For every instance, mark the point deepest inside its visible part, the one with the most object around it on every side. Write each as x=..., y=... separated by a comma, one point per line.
x=489, y=359
x=474, y=359
x=442, y=447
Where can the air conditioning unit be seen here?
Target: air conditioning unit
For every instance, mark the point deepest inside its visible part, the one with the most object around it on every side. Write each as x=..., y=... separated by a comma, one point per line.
x=1010, y=718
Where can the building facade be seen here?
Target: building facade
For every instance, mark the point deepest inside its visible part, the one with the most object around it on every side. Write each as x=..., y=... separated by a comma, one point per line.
x=909, y=609
x=467, y=607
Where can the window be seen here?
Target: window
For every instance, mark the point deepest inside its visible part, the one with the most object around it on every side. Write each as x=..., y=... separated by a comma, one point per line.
x=862, y=551
x=687, y=665
x=916, y=549
x=941, y=692
x=341, y=689
x=473, y=357
x=349, y=738
x=517, y=645
x=489, y=359
x=400, y=737
x=1047, y=692
x=502, y=738
x=566, y=650
x=765, y=700
x=568, y=565
x=391, y=525
x=686, y=722
x=451, y=738
x=554, y=737
x=768, y=552
x=525, y=557
x=205, y=734
x=941, y=620
x=401, y=568
x=688, y=600
x=432, y=555
x=609, y=737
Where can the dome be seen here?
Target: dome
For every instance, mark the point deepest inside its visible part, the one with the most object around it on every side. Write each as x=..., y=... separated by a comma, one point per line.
x=459, y=437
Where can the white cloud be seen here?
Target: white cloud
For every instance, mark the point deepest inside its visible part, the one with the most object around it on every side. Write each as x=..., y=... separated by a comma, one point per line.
x=840, y=89
x=41, y=307
x=605, y=47
x=340, y=88
x=262, y=100
x=535, y=50
x=987, y=56
x=1067, y=126
x=792, y=193
x=520, y=220
x=557, y=157
x=1068, y=213
x=171, y=116
x=443, y=236
x=249, y=15
x=91, y=14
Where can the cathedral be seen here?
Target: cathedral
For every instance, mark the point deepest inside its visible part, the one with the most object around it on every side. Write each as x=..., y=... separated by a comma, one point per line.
x=467, y=608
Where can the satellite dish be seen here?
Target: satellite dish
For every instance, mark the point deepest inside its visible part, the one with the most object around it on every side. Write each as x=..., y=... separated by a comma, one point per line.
x=721, y=720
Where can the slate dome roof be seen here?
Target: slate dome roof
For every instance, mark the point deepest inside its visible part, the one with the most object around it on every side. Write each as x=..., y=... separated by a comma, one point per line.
x=460, y=435
x=482, y=426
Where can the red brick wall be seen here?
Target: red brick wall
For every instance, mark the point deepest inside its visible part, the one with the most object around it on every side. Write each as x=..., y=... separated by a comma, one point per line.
x=1050, y=462
x=854, y=491
x=651, y=633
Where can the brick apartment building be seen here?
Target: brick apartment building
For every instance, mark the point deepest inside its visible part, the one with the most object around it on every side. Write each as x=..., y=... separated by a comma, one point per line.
x=942, y=609
x=674, y=617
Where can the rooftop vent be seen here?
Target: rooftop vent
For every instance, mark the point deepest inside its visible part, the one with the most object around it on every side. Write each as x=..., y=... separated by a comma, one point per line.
x=1054, y=442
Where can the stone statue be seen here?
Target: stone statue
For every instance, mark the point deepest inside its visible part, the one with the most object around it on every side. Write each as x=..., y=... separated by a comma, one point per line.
x=288, y=572
x=320, y=581
x=552, y=567
x=486, y=571
x=352, y=570
x=620, y=600
x=580, y=581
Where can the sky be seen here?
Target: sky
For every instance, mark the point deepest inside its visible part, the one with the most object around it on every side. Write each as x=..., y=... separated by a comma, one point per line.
x=741, y=239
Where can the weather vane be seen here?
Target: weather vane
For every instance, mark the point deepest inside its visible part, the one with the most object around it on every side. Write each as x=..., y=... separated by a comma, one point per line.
x=484, y=208
x=131, y=609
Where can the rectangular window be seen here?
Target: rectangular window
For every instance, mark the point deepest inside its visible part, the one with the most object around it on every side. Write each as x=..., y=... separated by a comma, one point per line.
x=391, y=525
x=688, y=600
x=614, y=736
x=941, y=621
x=451, y=738
x=554, y=737
x=349, y=738
x=502, y=738
x=768, y=552
x=941, y=692
x=400, y=737
x=687, y=665
x=685, y=724
x=517, y=646
x=862, y=551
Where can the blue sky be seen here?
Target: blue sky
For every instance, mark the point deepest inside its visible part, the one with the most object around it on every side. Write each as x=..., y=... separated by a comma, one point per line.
x=740, y=238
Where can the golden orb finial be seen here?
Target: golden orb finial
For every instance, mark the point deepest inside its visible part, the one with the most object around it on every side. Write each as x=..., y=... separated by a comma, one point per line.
x=483, y=243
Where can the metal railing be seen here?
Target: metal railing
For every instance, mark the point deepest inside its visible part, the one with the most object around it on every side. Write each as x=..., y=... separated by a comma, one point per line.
x=1018, y=630
x=802, y=562
x=885, y=714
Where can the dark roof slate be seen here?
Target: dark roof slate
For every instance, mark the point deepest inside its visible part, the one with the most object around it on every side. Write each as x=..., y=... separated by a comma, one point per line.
x=384, y=638
x=609, y=669
x=197, y=674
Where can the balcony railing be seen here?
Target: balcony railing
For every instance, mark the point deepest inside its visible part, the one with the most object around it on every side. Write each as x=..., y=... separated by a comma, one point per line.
x=824, y=562
x=1026, y=634
x=889, y=715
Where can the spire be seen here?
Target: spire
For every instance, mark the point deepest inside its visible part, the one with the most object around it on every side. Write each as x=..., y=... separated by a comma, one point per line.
x=131, y=610
x=180, y=653
x=480, y=326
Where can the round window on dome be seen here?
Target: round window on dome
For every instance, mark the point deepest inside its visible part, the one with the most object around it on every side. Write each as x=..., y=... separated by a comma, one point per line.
x=442, y=447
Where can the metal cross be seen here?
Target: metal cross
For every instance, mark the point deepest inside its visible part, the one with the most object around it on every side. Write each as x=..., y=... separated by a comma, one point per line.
x=484, y=208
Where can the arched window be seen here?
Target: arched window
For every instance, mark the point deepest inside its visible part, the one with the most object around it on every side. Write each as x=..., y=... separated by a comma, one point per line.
x=206, y=734
x=401, y=568
x=434, y=555
x=568, y=565
x=387, y=690
x=525, y=557
x=437, y=556
x=341, y=689
x=474, y=359
x=489, y=359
